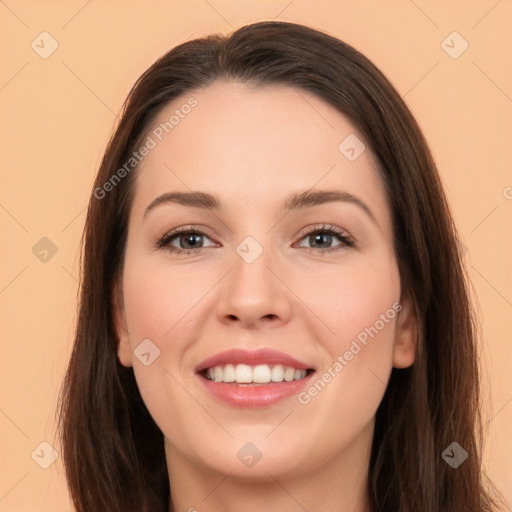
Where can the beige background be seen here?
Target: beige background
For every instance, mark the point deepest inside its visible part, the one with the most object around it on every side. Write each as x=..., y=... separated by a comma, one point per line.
x=57, y=114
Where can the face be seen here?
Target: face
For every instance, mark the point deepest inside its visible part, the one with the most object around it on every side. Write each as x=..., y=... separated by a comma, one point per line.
x=301, y=290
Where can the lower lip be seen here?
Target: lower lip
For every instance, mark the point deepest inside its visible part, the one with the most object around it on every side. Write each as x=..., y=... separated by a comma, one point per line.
x=258, y=395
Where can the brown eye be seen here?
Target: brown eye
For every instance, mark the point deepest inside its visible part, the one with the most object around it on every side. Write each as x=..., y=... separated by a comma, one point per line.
x=183, y=240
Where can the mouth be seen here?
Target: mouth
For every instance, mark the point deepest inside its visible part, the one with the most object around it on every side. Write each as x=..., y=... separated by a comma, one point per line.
x=253, y=379
x=247, y=375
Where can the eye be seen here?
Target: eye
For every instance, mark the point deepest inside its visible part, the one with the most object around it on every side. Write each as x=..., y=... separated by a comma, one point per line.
x=187, y=238
x=325, y=235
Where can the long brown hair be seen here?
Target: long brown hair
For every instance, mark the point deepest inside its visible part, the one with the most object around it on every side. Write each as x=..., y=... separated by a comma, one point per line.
x=113, y=450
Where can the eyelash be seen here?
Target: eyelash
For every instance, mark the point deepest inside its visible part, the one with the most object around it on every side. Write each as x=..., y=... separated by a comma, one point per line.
x=346, y=240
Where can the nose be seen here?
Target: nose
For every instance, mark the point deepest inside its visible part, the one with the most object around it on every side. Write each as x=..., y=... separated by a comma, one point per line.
x=254, y=294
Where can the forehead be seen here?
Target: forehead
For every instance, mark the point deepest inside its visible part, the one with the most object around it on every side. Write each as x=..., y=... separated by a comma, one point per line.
x=254, y=146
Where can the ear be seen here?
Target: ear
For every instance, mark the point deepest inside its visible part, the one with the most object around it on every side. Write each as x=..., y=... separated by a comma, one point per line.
x=124, y=350
x=406, y=334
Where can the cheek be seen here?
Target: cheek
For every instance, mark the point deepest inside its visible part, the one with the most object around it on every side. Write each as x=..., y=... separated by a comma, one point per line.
x=358, y=308
x=159, y=305
x=348, y=300
x=160, y=301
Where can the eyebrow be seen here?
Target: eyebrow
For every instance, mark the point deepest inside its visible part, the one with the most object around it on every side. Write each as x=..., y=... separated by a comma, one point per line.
x=295, y=201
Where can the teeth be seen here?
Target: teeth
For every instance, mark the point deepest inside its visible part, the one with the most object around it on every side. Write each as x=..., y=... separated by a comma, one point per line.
x=260, y=374
x=289, y=374
x=278, y=373
x=229, y=373
x=243, y=373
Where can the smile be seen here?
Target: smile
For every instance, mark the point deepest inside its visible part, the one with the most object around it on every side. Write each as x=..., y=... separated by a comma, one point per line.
x=260, y=378
x=260, y=374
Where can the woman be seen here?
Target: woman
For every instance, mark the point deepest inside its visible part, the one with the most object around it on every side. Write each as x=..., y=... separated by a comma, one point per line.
x=225, y=361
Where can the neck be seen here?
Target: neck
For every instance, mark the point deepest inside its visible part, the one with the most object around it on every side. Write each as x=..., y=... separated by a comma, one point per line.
x=338, y=485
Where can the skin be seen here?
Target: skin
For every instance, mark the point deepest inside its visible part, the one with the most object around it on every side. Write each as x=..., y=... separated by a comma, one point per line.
x=252, y=147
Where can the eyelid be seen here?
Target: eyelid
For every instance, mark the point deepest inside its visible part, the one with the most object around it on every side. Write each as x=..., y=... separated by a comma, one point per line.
x=309, y=230
x=162, y=241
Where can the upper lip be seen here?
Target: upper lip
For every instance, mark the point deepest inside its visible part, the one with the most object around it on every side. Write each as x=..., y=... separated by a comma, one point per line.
x=251, y=358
